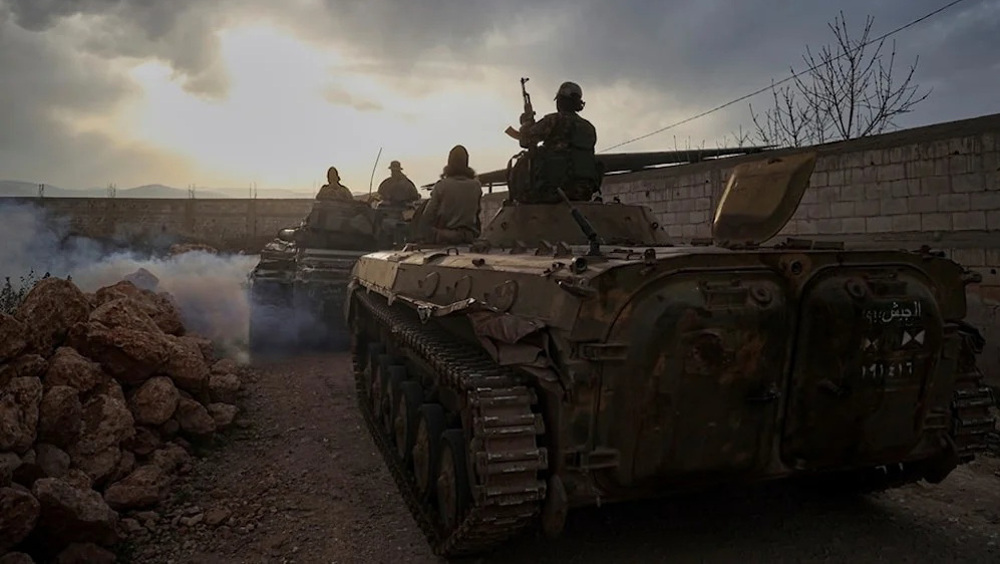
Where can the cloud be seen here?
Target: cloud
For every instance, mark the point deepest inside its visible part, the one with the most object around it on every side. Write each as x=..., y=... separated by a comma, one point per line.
x=643, y=64
x=338, y=96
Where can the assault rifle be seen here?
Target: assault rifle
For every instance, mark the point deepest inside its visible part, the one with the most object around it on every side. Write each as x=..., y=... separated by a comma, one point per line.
x=527, y=109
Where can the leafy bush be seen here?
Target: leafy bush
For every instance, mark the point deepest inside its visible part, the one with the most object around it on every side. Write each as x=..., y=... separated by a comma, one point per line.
x=11, y=296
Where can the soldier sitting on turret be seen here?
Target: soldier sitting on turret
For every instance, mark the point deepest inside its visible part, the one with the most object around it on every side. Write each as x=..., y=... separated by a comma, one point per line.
x=397, y=189
x=333, y=189
x=452, y=213
x=566, y=157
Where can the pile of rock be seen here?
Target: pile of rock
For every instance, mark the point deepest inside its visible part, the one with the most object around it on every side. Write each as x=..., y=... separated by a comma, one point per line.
x=101, y=398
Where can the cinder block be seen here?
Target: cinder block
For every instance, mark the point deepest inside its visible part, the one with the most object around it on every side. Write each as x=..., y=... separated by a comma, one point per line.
x=972, y=182
x=867, y=208
x=817, y=211
x=993, y=257
x=935, y=222
x=993, y=220
x=894, y=206
x=970, y=257
x=701, y=204
x=984, y=201
x=874, y=158
x=934, y=185
x=852, y=193
x=680, y=193
x=807, y=227
x=878, y=191
x=934, y=149
x=835, y=177
x=842, y=209
x=828, y=194
x=953, y=202
x=906, y=223
x=890, y=172
x=689, y=231
x=854, y=225
x=901, y=188
x=809, y=196
x=851, y=161
x=830, y=226
x=697, y=217
x=878, y=224
x=675, y=231
x=863, y=175
x=941, y=167
x=901, y=154
x=819, y=178
x=919, y=168
x=922, y=204
x=968, y=221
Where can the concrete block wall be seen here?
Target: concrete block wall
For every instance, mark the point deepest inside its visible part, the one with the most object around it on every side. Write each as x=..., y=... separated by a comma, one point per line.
x=229, y=224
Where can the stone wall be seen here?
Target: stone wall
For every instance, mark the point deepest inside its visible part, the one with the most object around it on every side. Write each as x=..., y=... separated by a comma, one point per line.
x=227, y=224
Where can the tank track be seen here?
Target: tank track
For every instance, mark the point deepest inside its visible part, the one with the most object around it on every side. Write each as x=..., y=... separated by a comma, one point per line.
x=509, y=492
x=972, y=422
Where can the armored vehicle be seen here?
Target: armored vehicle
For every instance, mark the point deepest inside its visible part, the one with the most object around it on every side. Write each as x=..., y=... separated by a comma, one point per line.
x=297, y=288
x=574, y=357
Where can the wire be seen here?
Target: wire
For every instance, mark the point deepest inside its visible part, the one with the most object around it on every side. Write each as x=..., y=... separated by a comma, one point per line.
x=800, y=73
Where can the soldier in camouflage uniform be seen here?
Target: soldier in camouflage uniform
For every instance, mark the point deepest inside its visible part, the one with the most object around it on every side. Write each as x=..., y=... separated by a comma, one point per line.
x=333, y=189
x=565, y=158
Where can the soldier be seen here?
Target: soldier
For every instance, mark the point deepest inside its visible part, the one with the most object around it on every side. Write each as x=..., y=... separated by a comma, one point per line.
x=397, y=189
x=333, y=189
x=566, y=157
x=452, y=213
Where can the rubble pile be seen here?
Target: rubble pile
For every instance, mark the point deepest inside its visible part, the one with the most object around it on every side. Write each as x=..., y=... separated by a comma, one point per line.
x=101, y=398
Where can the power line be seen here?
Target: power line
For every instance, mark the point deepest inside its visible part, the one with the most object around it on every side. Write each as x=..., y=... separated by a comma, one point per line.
x=800, y=73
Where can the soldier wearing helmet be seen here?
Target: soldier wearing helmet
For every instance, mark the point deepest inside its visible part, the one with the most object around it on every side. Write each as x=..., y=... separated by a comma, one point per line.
x=333, y=189
x=565, y=158
x=397, y=189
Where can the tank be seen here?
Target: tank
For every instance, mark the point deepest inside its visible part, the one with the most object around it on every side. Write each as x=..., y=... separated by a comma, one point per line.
x=575, y=357
x=298, y=286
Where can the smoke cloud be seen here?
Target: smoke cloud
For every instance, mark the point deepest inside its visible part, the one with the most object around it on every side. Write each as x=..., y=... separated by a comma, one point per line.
x=210, y=290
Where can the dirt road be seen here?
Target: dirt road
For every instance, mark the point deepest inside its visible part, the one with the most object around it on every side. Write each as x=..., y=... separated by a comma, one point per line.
x=301, y=482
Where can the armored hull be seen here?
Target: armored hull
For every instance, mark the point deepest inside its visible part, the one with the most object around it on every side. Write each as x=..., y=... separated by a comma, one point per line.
x=298, y=287
x=512, y=380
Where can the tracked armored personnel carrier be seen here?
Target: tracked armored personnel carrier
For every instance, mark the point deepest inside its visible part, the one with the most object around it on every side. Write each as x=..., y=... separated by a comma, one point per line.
x=297, y=288
x=575, y=357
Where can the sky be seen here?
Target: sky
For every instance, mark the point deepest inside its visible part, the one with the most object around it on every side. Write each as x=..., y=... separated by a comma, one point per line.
x=223, y=93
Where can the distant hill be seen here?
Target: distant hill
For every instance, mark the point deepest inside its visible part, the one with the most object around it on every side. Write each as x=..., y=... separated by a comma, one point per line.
x=16, y=188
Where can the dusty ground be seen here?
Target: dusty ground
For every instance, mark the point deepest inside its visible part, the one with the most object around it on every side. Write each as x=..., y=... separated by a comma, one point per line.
x=301, y=482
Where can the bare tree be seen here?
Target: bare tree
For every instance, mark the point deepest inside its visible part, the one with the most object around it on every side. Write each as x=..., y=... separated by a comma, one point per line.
x=848, y=91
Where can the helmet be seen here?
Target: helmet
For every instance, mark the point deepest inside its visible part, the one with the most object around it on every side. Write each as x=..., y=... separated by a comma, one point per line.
x=569, y=90
x=394, y=165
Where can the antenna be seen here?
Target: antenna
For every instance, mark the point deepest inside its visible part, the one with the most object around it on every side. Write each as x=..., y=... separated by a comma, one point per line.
x=371, y=181
x=593, y=239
